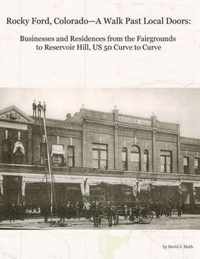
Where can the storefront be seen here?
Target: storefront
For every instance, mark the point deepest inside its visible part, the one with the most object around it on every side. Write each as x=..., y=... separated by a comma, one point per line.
x=166, y=192
x=12, y=189
x=111, y=192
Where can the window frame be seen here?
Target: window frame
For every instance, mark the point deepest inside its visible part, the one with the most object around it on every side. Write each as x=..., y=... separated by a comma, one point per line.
x=146, y=163
x=71, y=157
x=135, y=150
x=197, y=169
x=125, y=161
x=58, y=155
x=102, y=148
x=186, y=168
x=165, y=155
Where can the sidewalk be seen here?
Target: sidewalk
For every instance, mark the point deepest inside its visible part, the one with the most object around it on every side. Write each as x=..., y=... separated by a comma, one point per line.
x=38, y=223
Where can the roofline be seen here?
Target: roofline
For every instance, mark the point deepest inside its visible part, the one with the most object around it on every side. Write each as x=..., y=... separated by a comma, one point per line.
x=13, y=107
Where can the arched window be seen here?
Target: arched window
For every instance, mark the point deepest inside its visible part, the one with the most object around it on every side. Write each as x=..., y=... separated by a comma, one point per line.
x=124, y=159
x=146, y=160
x=135, y=158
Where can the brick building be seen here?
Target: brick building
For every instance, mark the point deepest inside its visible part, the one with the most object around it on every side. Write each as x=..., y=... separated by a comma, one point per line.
x=102, y=155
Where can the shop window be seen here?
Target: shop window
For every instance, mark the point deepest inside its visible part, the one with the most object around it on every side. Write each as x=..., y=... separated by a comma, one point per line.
x=70, y=156
x=197, y=165
x=135, y=158
x=165, y=161
x=124, y=159
x=186, y=164
x=57, y=155
x=146, y=160
x=100, y=156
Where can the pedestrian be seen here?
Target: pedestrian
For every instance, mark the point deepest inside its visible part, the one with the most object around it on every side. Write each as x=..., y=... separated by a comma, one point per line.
x=11, y=212
x=68, y=210
x=45, y=212
x=125, y=211
x=96, y=211
x=62, y=213
x=39, y=110
x=34, y=105
x=179, y=208
x=77, y=208
x=109, y=213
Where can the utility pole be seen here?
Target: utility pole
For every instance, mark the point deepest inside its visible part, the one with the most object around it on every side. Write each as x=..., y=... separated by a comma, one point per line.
x=48, y=161
x=40, y=114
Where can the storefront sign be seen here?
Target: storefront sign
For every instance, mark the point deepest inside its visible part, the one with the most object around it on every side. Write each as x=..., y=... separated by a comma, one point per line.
x=57, y=150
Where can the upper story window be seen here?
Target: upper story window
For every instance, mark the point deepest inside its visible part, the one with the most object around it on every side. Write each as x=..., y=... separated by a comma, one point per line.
x=165, y=161
x=18, y=153
x=100, y=156
x=57, y=154
x=186, y=164
x=70, y=156
x=43, y=153
x=135, y=158
x=124, y=159
x=197, y=165
x=146, y=160
x=6, y=151
x=13, y=147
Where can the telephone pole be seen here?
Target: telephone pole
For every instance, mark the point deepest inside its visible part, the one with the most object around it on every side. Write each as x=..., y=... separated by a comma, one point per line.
x=39, y=111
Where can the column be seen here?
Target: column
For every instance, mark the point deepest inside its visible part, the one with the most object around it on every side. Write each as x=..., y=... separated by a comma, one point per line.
x=82, y=188
x=178, y=151
x=29, y=146
x=85, y=187
x=116, y=148
x=192, y=198
x=1, y=185
x=83, y=144
x=116, y=139
x=154, y=168
x=154, y=151
x=23, y=190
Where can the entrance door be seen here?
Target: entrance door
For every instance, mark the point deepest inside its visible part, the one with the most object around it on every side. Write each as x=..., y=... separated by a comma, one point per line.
x=188, y=197
x=12, y=189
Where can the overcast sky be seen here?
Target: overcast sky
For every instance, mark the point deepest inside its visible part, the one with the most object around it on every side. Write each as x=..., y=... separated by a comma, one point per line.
x=172, y=105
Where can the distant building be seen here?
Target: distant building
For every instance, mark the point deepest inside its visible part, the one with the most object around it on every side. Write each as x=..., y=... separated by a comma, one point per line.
x=97, y=154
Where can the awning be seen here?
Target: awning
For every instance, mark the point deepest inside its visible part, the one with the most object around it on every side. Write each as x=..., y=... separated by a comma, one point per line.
x=165, y=183
x=112, y=181
x=57, y=150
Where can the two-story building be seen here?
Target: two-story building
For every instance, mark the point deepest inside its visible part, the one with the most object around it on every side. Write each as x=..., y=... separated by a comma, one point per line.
x=102, y=155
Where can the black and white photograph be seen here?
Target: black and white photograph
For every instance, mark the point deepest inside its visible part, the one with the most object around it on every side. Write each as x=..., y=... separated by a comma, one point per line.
x=99, y=159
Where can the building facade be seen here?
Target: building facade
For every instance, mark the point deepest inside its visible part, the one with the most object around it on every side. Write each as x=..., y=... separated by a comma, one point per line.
x=96, y=154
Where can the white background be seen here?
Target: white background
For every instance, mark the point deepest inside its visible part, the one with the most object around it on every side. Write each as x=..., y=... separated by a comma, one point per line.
x=176, y=66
